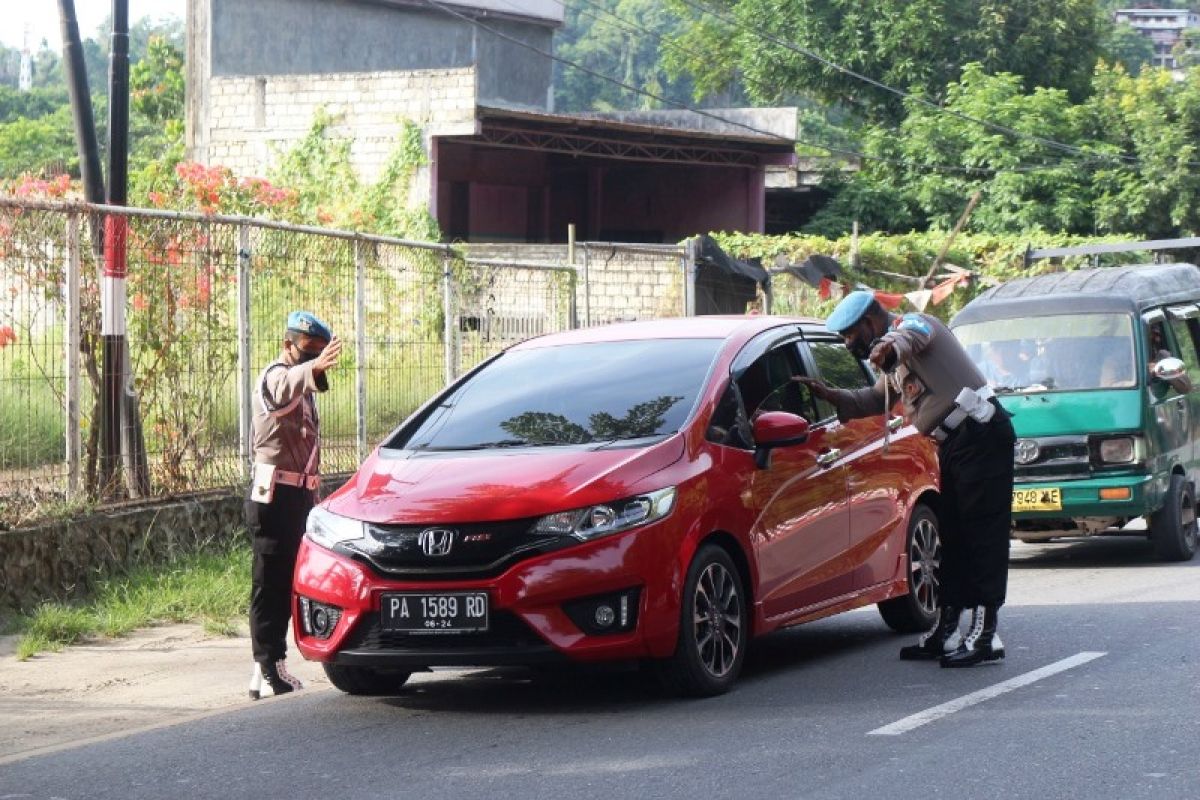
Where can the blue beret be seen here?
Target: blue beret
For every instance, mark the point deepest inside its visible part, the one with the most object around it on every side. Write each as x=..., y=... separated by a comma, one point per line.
x=309, y=323
x=850, y=310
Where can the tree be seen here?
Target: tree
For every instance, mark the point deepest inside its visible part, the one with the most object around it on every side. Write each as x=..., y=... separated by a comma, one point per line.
x=613, y=45
x=914, y=45
x=1125, y=46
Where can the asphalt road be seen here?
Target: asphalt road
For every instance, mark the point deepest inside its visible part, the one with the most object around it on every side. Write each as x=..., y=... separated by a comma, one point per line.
x=1121, y=721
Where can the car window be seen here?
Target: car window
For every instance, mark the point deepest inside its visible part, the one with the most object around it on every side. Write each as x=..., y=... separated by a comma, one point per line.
x=1185, y=338
x=767, y=385
x=569, y=394
x=837, y=367
x=1061, y=352
x=729, y=424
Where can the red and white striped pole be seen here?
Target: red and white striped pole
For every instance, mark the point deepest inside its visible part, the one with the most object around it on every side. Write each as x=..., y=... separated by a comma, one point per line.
x=112, y=319
x=112, y=330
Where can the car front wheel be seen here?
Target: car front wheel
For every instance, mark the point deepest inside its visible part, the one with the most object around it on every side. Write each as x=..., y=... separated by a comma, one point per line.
x=916, y=609
x=713, y=629
x=364, y=680
x=1173, y=527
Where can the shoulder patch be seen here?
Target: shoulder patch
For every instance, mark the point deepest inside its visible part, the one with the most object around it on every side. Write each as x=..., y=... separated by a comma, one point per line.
x=914, y=322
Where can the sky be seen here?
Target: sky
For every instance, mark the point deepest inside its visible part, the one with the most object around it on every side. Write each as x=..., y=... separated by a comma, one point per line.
x=42, y=17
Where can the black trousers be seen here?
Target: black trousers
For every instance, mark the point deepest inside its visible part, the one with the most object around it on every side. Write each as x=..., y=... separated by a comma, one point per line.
x=977, y=480
x=275, y=529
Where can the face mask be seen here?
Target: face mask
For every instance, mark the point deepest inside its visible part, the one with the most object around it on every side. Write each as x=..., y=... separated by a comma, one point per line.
x=860, y=349
x=860, y=346
x=303, y=356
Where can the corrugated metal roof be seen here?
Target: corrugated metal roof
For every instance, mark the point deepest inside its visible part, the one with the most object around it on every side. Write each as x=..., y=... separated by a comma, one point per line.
x=1134, y=287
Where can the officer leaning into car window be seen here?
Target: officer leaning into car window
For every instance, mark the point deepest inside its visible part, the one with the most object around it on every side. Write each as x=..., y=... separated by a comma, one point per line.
x=944, y=396
x=283, y=488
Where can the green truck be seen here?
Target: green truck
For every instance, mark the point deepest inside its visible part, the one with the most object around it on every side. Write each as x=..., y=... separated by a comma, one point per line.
x=1096, y=366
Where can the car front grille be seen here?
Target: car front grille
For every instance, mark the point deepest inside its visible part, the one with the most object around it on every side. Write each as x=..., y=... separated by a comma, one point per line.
x=505, y=631
x=1059, y=458
x=475, y=550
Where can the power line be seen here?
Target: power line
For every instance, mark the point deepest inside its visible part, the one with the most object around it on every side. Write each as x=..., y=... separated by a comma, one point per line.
x=769, y=134
x=634, y=27
x=1062, y=146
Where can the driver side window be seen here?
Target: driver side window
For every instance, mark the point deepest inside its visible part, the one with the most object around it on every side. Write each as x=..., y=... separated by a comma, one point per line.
x=766, y=385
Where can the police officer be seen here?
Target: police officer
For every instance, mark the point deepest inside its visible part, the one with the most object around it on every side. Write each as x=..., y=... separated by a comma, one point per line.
x=944, y=396
x=283, y=488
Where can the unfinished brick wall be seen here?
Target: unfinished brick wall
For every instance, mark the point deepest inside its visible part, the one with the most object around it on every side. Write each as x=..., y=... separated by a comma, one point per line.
x=251, y=119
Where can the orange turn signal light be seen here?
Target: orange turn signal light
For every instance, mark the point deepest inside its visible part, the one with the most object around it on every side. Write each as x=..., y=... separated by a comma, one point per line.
x=1122, y=493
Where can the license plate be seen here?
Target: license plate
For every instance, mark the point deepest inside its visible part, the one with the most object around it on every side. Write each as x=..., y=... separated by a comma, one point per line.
x=440, y=612
x=1037, y=499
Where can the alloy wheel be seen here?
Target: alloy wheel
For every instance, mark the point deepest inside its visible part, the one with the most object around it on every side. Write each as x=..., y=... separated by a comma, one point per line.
x=924, y=558
x=717, y=617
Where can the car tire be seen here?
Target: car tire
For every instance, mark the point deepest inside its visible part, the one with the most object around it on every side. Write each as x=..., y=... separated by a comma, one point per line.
x=712, y=636
x=1173, y=527
x=365, y=680
x=916, y=609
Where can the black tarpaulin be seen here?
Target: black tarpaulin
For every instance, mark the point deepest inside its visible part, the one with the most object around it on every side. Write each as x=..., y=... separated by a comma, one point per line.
x=725, y=285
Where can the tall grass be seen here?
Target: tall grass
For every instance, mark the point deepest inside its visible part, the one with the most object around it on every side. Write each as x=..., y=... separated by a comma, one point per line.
x=209, y=587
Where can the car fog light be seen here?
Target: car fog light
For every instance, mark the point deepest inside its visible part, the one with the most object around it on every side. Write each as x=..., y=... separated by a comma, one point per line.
x=606, y=613
x=318, y=619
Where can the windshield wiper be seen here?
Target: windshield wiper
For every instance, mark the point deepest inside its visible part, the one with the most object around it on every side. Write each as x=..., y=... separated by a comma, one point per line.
x=500, y=443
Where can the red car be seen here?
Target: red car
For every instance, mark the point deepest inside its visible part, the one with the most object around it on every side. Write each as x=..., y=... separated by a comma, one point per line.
x=651, y=491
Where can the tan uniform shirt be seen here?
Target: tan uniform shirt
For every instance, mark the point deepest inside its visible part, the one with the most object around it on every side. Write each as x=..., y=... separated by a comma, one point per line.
x=285, y=416
x=932, y=368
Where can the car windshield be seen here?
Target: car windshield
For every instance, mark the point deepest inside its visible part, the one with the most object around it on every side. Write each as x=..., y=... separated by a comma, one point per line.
x=1056, y=353
x=569, y=395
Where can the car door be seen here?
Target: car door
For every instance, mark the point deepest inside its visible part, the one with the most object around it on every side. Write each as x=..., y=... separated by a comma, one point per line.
x=1172, y=420
x=800, y=536
x=875, y=475
x=1185, y=324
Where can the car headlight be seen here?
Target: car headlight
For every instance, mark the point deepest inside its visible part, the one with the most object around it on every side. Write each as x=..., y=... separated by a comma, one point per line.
x=328, y=529
x=1121, y=450
x=608, y=518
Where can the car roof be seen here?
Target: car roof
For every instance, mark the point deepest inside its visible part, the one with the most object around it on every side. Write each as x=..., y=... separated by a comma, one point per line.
x=1127, y=288
x=706, y=327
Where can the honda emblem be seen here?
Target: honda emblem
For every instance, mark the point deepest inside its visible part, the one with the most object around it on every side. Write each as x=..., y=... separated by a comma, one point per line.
x=436, y=541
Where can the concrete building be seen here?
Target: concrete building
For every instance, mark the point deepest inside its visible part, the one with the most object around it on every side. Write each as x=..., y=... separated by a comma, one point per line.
x=502, y=165
x=1164, y=26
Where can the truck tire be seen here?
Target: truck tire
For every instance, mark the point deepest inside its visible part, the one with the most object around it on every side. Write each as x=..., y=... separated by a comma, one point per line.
x=1173, y=527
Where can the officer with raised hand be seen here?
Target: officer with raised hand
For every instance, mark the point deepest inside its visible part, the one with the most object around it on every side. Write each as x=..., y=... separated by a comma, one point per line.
x=944, y=396
x=283, y=488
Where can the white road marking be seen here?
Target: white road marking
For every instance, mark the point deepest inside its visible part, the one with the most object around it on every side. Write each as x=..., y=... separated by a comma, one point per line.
x=967, y=700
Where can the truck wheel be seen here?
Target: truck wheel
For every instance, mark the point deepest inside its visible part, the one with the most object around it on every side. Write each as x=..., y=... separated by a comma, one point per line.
x=1173, y=527
x=364, y=680
x=915, y=610
x=713, y=628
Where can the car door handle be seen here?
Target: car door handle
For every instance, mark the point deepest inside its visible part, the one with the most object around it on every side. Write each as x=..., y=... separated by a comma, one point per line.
x=828, y=457
x=895, y=423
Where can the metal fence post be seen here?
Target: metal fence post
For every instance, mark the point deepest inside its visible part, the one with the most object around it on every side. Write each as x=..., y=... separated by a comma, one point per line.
x=360, y=346
x=244, y=367
x=447, y=320
x=587, y=286
x=74, y=438
x=689, y=278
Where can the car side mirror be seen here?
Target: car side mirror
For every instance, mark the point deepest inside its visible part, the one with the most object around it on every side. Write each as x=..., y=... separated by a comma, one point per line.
x=776, y=429
x=1169, y=369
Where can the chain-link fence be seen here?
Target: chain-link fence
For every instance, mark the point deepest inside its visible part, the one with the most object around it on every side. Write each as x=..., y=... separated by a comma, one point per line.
x=206, y=300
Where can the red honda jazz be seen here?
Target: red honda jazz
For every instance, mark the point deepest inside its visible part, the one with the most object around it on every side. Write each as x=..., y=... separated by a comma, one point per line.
x=652, y=491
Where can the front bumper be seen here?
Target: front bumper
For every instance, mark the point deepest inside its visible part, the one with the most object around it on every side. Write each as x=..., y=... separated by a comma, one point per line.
x=528, y=623
x=1081, y=498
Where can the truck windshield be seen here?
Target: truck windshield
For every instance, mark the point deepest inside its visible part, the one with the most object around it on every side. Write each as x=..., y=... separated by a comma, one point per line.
x=1066, y=352
x=570, y=394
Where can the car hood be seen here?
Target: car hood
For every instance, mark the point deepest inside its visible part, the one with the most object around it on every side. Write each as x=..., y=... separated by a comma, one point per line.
x=1067, y=413
x=490, y=485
